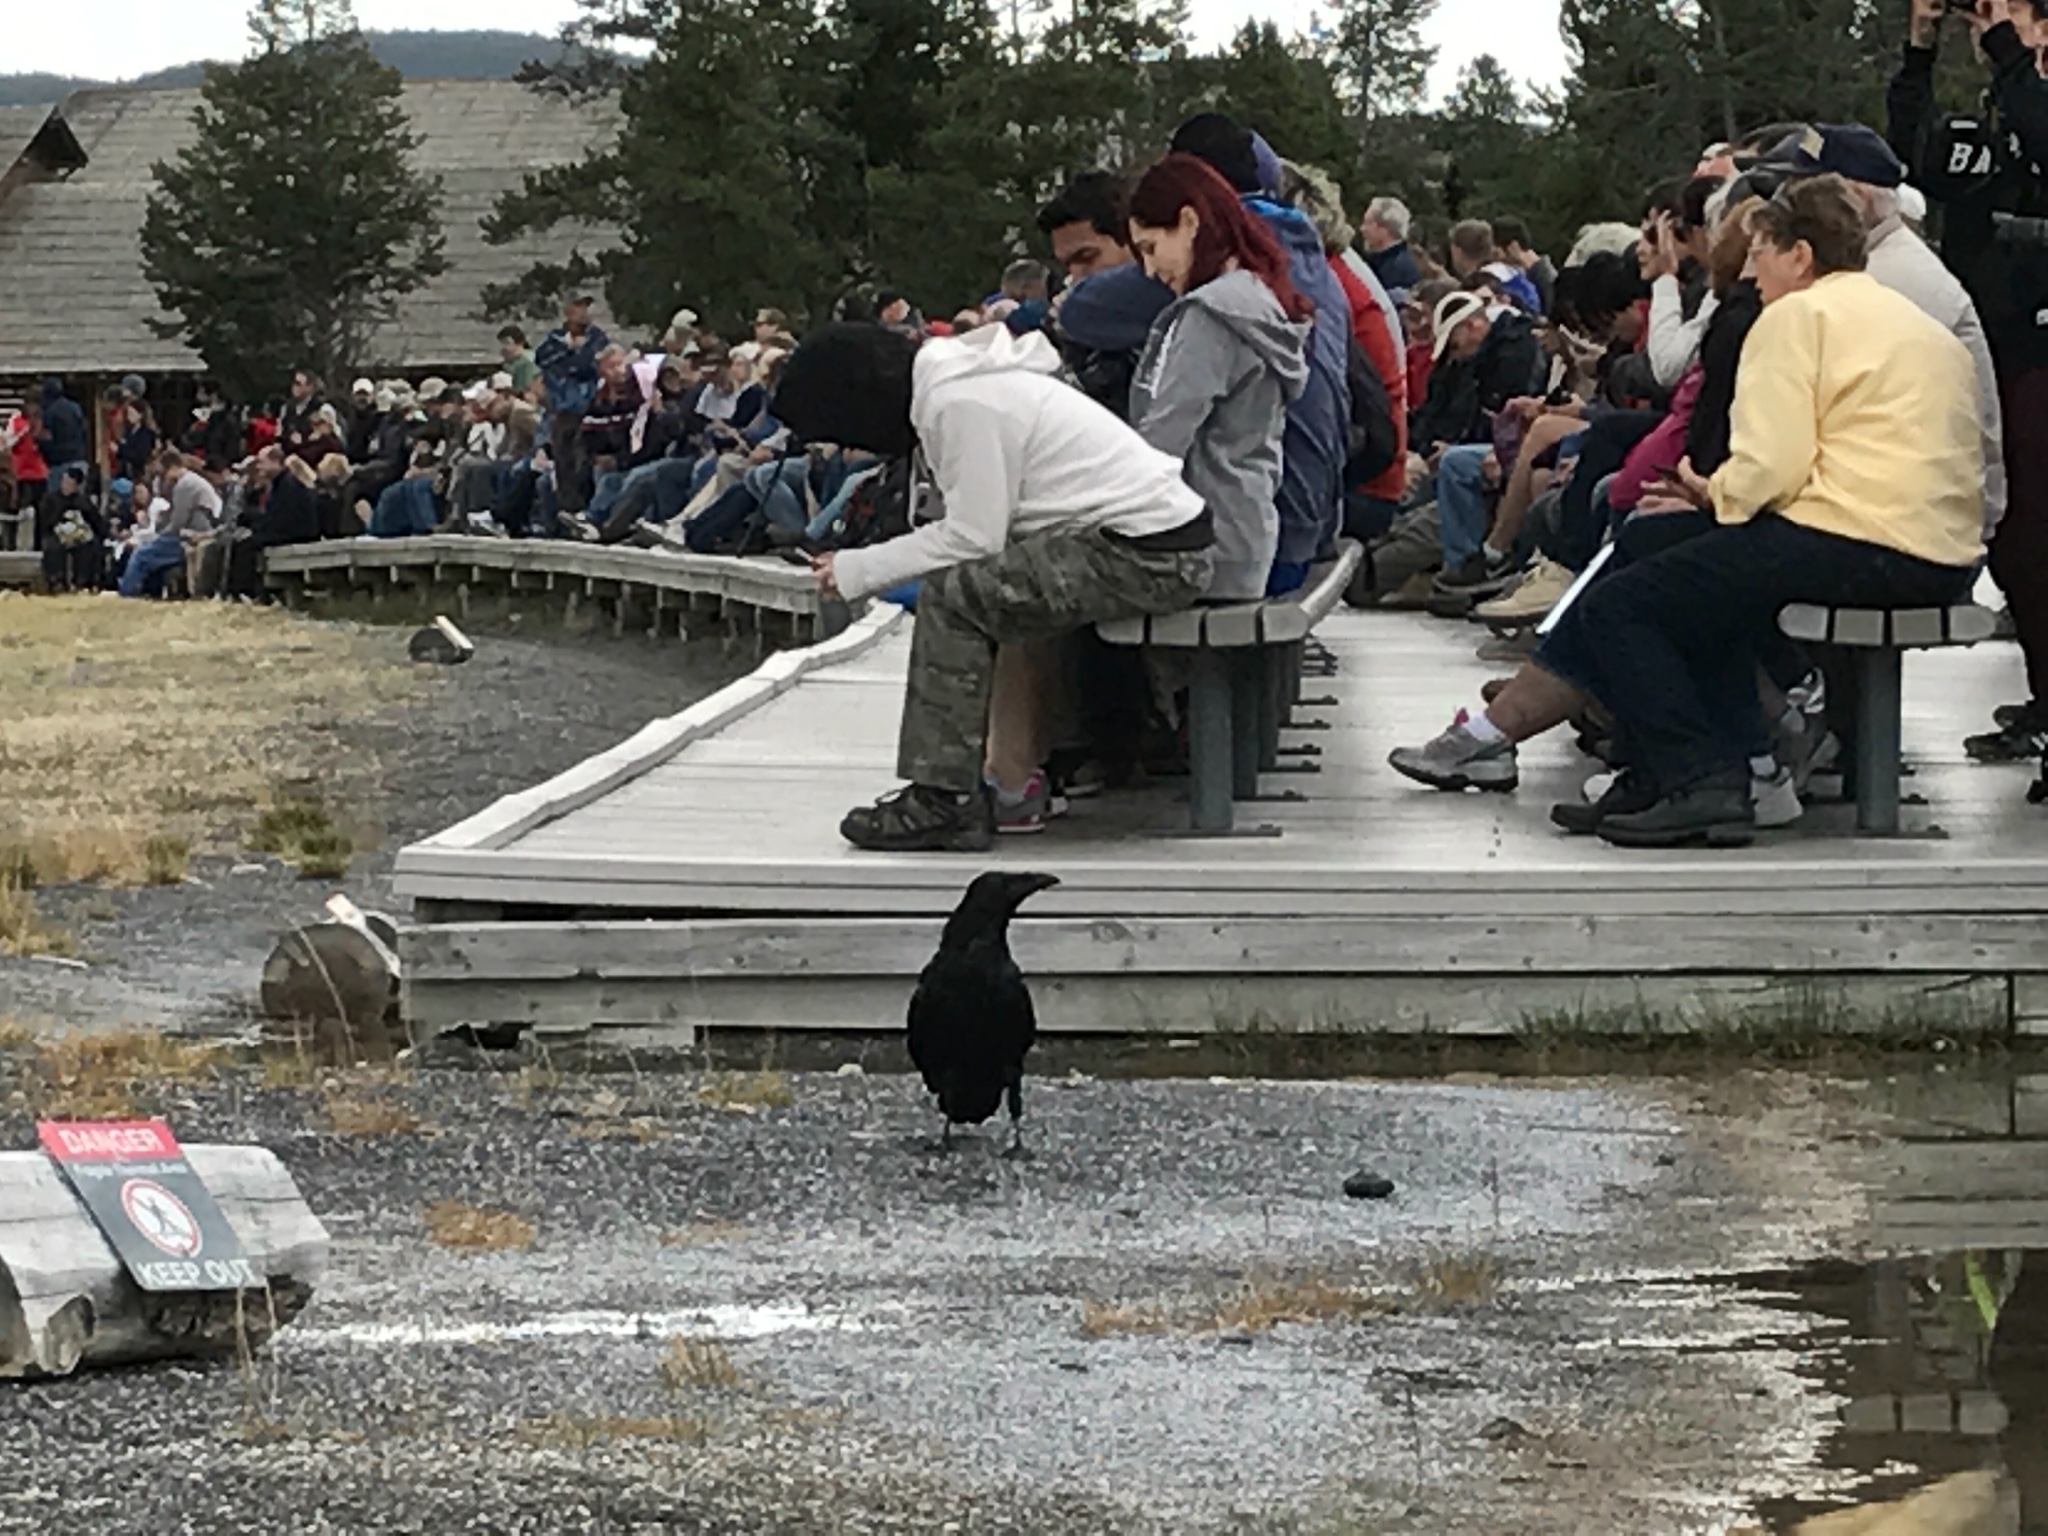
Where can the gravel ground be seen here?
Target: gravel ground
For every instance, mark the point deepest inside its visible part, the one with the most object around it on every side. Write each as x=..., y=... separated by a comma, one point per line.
x=525, y=708
x=901, y=1340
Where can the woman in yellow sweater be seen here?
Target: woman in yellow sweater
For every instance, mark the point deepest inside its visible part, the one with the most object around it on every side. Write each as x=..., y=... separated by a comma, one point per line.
x=1854, y=479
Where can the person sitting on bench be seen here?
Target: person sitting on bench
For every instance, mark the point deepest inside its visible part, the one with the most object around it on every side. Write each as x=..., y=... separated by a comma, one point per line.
x=1854, y=479
x=1056, y=515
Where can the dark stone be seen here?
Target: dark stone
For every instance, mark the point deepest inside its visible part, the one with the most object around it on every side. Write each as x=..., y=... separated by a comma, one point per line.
x=1503, y=1429
x=1367, y=1185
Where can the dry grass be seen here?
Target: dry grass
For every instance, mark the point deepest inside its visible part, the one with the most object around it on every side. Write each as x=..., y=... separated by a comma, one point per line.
x=747, y=1093
x=1452, y=1280
x=22, y=929
x=704, y=1234
x=129, y=722
x=698, y=1365
x=1263, y=1302
x=348, y=1115
x=166, y=859
x=476, y=1229
x=1259, y=1304
x=107, y=1076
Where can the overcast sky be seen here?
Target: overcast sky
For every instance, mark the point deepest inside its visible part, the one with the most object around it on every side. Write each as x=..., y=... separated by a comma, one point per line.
x=117, y=39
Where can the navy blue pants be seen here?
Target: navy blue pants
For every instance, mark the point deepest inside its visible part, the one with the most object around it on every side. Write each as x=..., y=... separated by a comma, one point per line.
x=1670, y=645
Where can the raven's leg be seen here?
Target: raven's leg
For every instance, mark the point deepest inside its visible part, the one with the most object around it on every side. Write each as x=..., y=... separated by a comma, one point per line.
x=1016, y=1097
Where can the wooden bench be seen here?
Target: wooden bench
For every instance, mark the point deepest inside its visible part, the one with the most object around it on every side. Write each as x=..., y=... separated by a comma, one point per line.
x=1871, y=644
x=1246, y=671
x=20, y=568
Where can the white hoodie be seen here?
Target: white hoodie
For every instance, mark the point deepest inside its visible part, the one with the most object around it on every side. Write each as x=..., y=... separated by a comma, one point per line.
x=1014, y=451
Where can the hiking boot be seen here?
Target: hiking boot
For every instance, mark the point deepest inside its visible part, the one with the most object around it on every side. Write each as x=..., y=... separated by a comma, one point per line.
x=1775, y=800
x=921, y=819
x=1514, y=645
x=1620, y=794
x=1532, y=598
x=1411, y=595
x=1359, y=590
x=2019, y=741
x=1026, y=811
x=1484, y=573
x=1713, y=812
x=1459, y=760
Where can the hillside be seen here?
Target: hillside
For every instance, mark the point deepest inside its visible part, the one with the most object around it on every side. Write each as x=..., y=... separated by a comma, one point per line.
x=416, y=55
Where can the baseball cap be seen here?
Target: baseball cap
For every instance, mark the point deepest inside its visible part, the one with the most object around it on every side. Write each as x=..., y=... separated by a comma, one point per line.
x=362, y=387
x=1452, y=311
x=477, y=392
x=501, y=381
x=1849, y=150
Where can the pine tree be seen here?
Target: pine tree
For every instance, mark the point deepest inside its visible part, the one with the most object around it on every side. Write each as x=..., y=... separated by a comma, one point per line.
x=295, y=222
x=1381, y=55
x=1282, y=89
x=729, y=183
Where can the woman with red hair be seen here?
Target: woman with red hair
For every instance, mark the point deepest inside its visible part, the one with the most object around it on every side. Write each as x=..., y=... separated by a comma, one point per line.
x=1223, y=360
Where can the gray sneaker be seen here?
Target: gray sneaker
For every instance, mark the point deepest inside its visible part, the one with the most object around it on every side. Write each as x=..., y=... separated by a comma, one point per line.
x=1459, y=760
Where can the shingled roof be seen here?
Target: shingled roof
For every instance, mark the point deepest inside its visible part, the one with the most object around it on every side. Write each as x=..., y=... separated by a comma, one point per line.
x=75, y=301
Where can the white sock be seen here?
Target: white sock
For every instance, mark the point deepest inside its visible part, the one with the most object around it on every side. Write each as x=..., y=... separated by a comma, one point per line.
x=1484, y=731
x=1764, y=767
x=1495, y=556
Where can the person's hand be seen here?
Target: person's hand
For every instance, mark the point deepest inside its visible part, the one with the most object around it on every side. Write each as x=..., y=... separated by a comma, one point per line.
x=1417, y=472
x=1655, y=501
x=1528, y=407
x=1489, y=468
x=1923, y=22
x=761, y=455
x=823, y=572
x=1659, y=251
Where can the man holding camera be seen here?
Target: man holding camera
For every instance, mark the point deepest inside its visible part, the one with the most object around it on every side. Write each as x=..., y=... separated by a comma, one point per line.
x=1984, y=168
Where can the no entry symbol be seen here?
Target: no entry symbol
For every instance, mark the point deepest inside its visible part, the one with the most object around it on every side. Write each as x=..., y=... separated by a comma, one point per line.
x=161, y=1217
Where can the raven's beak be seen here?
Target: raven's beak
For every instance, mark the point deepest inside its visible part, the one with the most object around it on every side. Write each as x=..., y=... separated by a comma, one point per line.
x=1032, y=884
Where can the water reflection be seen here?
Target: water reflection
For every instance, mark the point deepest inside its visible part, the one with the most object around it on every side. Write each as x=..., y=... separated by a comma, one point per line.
x=1939, y=1356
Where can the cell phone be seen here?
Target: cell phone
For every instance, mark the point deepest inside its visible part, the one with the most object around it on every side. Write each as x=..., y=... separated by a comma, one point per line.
x=1959, y=7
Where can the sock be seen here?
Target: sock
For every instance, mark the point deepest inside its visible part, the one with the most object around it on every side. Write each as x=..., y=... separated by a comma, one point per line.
x=1007, y=796
x=1763, y=767
x=1484, y=731
x=1494, y=556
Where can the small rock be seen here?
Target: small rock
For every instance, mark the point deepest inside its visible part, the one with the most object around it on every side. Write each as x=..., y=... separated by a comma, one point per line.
x=1367, y=1185
x=1503, y=1429
x=248, y=869
x=1667, y=1159
x=1237, y=1336
x=1077, y=1367
x=851, y=1069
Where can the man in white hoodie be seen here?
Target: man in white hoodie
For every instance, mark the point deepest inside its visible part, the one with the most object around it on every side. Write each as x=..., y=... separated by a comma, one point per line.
x=1056, y=515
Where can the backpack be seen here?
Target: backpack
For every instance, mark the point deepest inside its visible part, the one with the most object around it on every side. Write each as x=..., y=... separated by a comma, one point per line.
x=879, y=508
x=1372, y=438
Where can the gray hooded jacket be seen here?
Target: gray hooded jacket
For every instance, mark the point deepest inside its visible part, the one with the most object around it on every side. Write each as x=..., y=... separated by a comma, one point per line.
x=1212, y=389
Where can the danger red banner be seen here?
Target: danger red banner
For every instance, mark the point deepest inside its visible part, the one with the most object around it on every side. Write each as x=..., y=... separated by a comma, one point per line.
x=107, y=1141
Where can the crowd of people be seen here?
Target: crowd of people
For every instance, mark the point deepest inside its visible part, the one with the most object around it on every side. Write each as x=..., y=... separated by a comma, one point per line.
x=1770, y=389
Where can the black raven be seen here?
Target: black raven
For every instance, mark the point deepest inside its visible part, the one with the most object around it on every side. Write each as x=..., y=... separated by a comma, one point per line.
x=970, y=1017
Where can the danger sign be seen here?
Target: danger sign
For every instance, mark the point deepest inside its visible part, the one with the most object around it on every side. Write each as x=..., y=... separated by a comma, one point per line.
x=154, y=1209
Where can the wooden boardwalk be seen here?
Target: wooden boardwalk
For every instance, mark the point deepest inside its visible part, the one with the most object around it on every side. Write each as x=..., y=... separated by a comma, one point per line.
x=694, y=876
x=659, y=591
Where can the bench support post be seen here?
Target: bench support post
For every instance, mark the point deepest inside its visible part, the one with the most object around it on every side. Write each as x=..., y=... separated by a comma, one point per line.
x=1878, y=674
x=1211, y=762
x=1276, y=680
x=1247, y=739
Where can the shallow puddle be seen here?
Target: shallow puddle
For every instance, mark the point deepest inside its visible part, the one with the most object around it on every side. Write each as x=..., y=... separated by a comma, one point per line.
x=1936, y=1354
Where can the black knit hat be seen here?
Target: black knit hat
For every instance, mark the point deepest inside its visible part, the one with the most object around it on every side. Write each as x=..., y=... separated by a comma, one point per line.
x=849, y=384
x=1225, y=144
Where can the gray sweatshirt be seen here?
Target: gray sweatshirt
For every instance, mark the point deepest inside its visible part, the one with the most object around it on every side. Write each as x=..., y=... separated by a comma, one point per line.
x=195, y=506
x=1212, y=389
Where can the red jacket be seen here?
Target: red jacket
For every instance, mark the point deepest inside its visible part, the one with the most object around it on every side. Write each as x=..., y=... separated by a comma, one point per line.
x=1370, y=328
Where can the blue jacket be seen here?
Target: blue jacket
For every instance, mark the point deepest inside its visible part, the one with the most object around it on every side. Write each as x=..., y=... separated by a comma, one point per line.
x=1396, y=267
x=1311, y=499
x=1103, y=326
x=63, y=438
x=570, y=369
